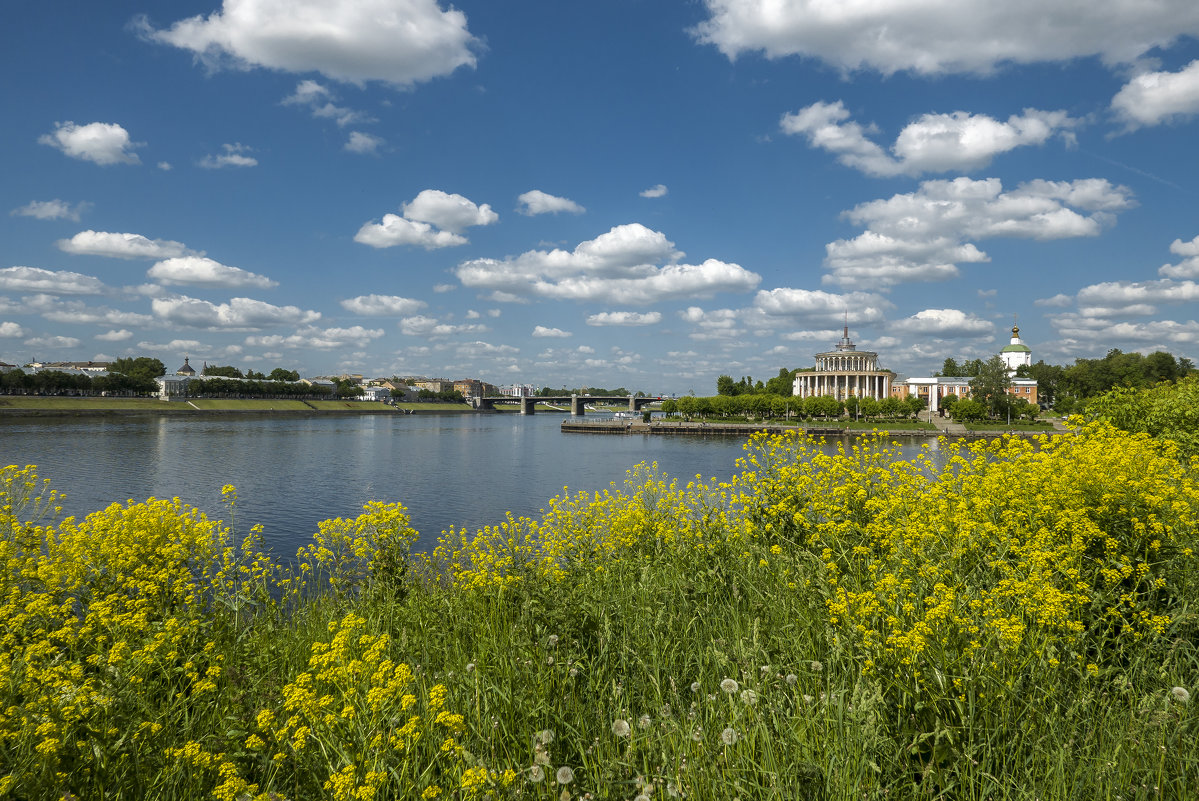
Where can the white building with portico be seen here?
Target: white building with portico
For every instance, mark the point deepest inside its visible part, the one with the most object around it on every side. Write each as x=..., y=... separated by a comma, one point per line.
x=845, y=373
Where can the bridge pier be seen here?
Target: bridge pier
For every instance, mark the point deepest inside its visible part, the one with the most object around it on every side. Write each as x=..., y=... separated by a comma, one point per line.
x=576, y=406
x=527, y=405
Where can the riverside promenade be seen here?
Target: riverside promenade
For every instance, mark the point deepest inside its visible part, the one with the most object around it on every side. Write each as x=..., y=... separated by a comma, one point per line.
x=701, y=428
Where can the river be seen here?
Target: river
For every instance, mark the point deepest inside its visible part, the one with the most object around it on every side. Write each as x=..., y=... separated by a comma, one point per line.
x=463, y=470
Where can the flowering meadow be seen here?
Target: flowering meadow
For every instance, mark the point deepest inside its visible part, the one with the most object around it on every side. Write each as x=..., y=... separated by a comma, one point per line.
x=1011, y=619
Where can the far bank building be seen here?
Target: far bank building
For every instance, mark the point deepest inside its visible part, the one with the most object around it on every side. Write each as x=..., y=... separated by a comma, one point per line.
x=845, y=373
x=932, y=389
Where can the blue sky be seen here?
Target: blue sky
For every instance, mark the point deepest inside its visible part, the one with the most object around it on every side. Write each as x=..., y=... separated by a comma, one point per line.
x=631, y=192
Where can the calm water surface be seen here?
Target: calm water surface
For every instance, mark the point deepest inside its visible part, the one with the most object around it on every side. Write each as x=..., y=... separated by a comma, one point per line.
x=462, y=470
x=290, y=473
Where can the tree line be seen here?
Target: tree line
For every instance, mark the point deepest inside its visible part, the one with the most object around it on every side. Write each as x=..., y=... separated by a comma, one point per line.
x=763, y=405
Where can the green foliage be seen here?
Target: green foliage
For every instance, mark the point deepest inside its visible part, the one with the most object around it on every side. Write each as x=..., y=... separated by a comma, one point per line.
x=280, y=374
x=219, y=371
x=990, y=385
x=1004, y=621
x=968, y=410
x=1167, y=411
x=140, y=367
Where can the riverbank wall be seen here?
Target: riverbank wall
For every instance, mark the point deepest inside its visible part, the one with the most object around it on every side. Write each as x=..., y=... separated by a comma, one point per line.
x=708, y=429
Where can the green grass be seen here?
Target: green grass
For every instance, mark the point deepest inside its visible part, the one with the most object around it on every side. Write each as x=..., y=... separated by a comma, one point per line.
x=57, y=403
x=658, y=640
x=245, y=405
x=1013, y=426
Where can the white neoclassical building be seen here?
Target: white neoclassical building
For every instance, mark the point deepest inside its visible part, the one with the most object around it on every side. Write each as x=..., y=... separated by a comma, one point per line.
x=1015, y=353
x=844, y=373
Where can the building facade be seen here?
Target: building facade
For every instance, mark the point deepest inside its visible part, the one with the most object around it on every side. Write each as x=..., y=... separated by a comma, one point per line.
x=933, y=389
x=845, y=373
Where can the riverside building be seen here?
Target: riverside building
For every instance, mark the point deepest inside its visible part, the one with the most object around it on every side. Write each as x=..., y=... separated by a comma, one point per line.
x=845, y=373
x=932, y=389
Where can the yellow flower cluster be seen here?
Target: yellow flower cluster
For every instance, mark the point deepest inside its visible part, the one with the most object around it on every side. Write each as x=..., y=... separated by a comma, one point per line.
x=95, y=614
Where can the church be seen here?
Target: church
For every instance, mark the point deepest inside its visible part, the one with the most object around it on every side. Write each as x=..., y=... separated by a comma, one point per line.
x=933, y=388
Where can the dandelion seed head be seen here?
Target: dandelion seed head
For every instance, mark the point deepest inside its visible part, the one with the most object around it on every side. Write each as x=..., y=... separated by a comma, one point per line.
x=1180, y=694
x=695, y=686
x=792, y=678
x=817, y=667
x=698, y=735
x=729, y=686
x=553, y=640
x=644, y=721
x=470, y=667
x=536, y=774
x=729, y=736
x=749, y=697
x=621, y=728
x=545, y=736
x=564, y=775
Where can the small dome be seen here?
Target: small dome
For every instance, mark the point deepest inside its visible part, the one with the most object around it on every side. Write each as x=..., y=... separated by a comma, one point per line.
x=186, y=369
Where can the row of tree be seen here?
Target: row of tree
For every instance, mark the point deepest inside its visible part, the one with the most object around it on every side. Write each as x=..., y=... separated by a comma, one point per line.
x=56, y=382
x=764, y=405
x=1066, y=389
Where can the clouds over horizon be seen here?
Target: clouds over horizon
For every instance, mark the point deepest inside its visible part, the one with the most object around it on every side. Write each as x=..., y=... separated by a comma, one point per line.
x=619, y=266
x=922, y=235
x=936, y=37
x=51, y=210
x=958, y=141
x=400, y=42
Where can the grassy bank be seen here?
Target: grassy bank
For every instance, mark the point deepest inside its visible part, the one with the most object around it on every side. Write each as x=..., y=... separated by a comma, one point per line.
x=1020, y=623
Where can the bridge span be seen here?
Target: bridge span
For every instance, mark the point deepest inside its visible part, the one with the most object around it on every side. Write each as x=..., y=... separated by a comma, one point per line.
x=577, y=402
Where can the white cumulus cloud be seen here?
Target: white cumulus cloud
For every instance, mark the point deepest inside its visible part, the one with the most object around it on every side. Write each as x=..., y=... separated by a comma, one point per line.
x=320, y=338
x=204, y=272
x=424, y=326
x=364, y=144
x=958, y=141
x=401, y=42
x=542, y=331
x=819, y=307
x=51, y=210
x=624, y=318
x=119, y=335
x=10, y=329
x=933, y=37
x=942, y=323
x=102, y=143
x=1152, y=98
x=54, y=282
x=122, y=246
x=619, y=266
x=239, y=314
x=537, y=202
x=319, y=100
x=447, y=211
x=922, y=235
x=233, y=155
x=433, y=219
x=382, y=305
x=658, y=190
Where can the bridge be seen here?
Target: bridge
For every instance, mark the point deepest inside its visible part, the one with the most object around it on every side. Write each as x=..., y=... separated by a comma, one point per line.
x=577, y=402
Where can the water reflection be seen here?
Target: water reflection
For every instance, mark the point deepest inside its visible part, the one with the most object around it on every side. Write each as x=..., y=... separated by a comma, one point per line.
x=291, y=473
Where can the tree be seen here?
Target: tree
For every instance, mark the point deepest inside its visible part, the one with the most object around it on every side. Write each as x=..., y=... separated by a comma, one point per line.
x=726, y=386
x=870, y=407
x=913, y=405
x=969, y=410
x=279, y=374
x=990, y=386
x=142, y=367
x=781, y=384
x=950, y=368
x=223, y=372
